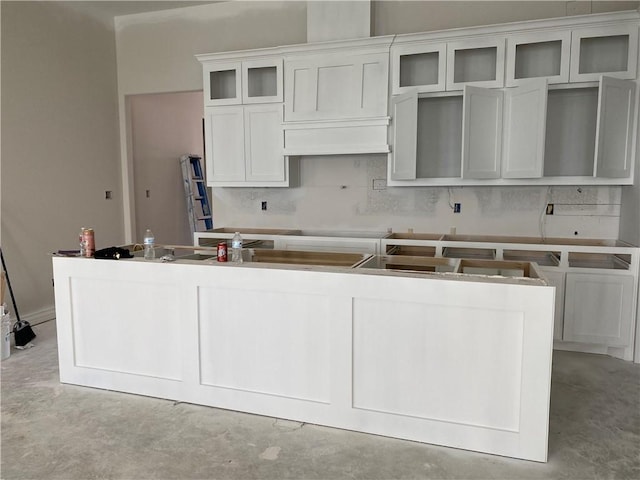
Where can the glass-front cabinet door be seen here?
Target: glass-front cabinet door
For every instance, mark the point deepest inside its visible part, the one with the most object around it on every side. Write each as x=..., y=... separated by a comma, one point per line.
x=538, y=55
x=612, y=51
x=418, y=66
x=478, y=63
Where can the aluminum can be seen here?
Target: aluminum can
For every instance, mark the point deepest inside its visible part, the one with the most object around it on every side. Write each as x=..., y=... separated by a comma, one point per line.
x=222, y=251
x=89, y=242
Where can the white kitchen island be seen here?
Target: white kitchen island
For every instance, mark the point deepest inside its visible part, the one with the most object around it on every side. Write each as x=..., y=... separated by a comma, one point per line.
x=456, y=360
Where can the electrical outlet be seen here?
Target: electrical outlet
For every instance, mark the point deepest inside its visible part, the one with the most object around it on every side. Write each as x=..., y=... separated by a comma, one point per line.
x=549, y=208
x=107, y=195
x=379, y=184
x=264, y=205
x=457, y=207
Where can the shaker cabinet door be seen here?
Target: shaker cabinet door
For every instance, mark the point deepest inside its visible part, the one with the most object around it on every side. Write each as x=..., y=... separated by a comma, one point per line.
x=525, y=126
x=598, y=309
x=481, y=132
x=614, y=136
x=224, y=131
x=404, y=114
x=264, y=143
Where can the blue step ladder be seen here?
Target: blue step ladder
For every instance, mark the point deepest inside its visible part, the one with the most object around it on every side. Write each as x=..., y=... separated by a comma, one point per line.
x=195, y=189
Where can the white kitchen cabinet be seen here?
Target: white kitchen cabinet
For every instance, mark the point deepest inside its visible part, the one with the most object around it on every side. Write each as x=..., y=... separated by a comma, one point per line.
x=452, y=133
x=478, y=62
x=611, y=50
x=481, y=132
x=242, y=82
x=525, y=122
x=421, y=65
x=336, y=86
x=598, y=309
x=538, y=55
x=244, y=146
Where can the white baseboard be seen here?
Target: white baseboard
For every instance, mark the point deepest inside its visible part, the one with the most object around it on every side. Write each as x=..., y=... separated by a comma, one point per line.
x=39, y=316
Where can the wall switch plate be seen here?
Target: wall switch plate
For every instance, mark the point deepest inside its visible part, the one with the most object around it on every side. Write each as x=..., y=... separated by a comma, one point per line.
x=457, y=207
x=549, y=208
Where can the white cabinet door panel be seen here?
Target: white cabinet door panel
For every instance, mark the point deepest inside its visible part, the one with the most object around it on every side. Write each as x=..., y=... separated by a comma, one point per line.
x=264, y=143
x=404, y=111
x=336, y=87
x=598, y=309
x=526, y=112
x=225, y=147
x=615, y=128
x=481, y=132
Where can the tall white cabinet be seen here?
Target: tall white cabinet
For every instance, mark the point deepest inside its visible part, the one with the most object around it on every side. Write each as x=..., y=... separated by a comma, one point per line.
x=244, y=139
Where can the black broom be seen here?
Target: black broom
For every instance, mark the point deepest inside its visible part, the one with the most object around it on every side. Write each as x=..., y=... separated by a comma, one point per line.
x=22, y=331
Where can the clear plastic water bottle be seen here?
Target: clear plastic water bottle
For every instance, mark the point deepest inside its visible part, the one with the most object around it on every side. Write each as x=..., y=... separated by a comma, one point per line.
x=236, y=248
x=5, y=346
x=149, y=244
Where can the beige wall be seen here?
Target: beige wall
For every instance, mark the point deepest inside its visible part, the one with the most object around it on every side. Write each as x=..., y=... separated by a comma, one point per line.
x=59, y=142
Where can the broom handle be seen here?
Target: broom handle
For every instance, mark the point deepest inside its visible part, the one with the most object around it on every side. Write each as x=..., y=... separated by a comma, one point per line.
x=13, y=300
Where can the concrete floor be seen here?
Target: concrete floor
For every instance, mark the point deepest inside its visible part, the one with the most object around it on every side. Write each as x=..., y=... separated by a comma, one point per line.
x=54, y=431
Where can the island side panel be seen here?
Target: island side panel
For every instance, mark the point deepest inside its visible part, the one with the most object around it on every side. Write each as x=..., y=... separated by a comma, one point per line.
x=426, y=358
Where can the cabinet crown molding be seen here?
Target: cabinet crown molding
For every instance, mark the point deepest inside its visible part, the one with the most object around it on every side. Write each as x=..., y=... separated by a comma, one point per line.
x=524, y=26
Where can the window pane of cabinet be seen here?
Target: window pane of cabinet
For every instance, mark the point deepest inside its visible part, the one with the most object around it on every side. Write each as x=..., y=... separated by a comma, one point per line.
x=540, y=59
x=475, y=65
x=222, y=84
x=419, y=69
x=604, y=54
x=262, y=81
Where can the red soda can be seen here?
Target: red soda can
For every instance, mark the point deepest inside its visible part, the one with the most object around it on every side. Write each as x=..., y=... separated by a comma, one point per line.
x=222, y=251
x=89, y=242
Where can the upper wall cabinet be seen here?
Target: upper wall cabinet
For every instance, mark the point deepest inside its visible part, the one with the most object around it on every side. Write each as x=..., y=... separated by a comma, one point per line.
x=249, y=81
x=538, y=55
x=244, y=146
x=609, y=50
x=556, y=104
